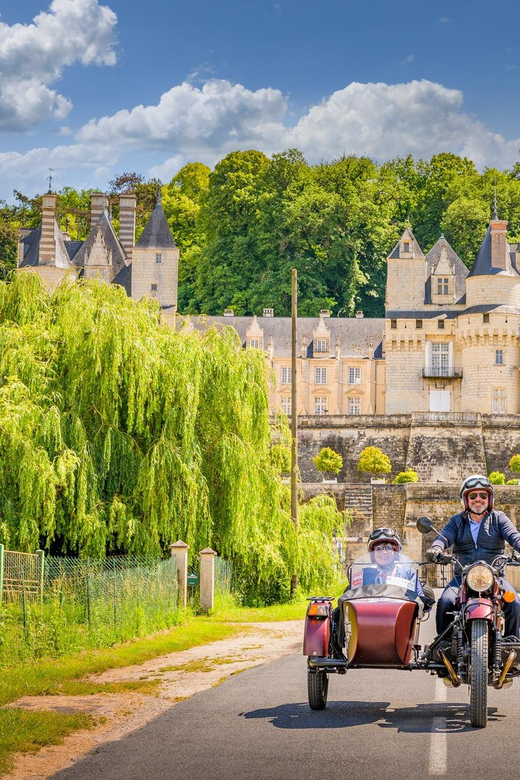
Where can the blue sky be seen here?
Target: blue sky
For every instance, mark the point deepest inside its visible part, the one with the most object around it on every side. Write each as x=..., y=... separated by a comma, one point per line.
x=93, y=88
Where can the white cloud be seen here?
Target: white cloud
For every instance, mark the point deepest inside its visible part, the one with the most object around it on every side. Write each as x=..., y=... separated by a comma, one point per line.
x=204, y=124
x=407, y=60
x=33, y=56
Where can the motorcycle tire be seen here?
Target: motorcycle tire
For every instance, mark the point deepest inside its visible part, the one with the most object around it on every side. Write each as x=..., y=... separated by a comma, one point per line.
x=478, y=674
x=317, y=687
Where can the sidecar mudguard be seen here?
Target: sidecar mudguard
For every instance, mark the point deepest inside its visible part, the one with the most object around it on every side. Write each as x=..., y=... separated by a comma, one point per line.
x=479, y=608
x=380, y=631
x=316, y=636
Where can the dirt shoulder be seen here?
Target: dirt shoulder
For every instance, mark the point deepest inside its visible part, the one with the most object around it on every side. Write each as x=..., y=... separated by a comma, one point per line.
x=181, y=674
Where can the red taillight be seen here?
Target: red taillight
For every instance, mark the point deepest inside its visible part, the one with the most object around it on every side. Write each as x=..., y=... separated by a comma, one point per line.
x=318, y=609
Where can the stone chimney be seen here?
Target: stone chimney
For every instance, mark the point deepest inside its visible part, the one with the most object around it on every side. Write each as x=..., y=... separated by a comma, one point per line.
x=98, y=204
x=499, y=247
x=47, y=252
x=127, y=208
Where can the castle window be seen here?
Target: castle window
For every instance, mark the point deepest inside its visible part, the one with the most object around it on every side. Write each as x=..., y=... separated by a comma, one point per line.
x=254, y=343
x=320, y=405
x=418, y=324
x=499, y=357
x=321, y=345
x=354, y=376
x=485, y=318
x=499, y=400
x=158, y=258
x=393, y=324
x=320, y=376
x=406, y=246
x=440, y=324
x=153, y=288
x=443, y=285
x=285, y=403
x=286, y=375
x=354, y=406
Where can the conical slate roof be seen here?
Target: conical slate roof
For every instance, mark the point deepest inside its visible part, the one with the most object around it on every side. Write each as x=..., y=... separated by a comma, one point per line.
x=157, y=234
x=494, y=258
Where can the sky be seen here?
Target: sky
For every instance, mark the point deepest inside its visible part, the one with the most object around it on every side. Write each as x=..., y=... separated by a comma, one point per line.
x=94, y=88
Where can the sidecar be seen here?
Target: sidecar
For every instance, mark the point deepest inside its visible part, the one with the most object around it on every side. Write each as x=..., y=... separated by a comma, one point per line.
x=376, y=625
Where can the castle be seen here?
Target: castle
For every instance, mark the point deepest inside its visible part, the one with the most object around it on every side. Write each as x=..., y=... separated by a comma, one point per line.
x=449, y=341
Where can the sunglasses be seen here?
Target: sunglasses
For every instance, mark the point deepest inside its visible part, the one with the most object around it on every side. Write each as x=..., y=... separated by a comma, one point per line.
x=473, y=496
x=385, y=547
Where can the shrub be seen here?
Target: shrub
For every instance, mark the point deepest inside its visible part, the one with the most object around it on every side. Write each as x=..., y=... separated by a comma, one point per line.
x=328, y=460
x=373, y=461
x=406, y=476
x=512, y=482
x=514, y=464
x=497, y=478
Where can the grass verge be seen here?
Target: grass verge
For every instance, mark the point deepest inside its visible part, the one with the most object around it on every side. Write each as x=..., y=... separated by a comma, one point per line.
x=26, y=732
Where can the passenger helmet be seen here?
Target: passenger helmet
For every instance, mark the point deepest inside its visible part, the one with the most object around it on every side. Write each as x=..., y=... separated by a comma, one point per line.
x=381, y=535
x=474, y=482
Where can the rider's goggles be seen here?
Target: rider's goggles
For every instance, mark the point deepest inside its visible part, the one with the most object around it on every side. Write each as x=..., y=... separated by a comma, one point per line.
x=476, y=482
x=386, y=547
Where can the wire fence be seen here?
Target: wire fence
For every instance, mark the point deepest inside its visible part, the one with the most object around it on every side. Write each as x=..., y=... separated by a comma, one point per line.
x=50, y=606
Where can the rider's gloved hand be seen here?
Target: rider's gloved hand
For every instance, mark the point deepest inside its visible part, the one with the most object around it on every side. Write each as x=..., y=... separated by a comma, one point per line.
x=433, y=554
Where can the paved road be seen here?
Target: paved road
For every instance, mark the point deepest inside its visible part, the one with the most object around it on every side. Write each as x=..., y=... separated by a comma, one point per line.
x=258, y=726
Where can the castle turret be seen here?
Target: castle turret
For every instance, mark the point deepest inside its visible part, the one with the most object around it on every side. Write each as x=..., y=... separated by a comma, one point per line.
x=155, y=261
x=406, y=274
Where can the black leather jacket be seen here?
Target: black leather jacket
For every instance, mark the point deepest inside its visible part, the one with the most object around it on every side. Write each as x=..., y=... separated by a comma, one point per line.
x=495, y=529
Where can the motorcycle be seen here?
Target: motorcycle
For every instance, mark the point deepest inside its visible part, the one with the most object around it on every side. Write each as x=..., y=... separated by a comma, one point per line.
x=379, y=625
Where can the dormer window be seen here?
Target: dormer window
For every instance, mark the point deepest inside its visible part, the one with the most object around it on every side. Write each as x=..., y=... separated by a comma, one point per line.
x=406, y=246
x=443, y=285
x=254, y=343
x=321, y=345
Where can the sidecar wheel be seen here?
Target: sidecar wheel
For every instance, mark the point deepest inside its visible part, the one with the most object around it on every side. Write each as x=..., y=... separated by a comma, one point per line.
x=478, y=674
x=317, y=686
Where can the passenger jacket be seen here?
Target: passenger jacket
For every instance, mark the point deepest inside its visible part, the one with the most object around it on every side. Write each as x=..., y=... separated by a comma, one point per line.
x=495, y=529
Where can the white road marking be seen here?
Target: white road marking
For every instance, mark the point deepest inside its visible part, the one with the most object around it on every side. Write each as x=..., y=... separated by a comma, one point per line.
x=439, y=742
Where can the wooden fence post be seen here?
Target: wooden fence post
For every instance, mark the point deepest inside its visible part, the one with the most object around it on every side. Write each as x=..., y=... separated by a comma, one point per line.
x=179, y=550
x=207, y=578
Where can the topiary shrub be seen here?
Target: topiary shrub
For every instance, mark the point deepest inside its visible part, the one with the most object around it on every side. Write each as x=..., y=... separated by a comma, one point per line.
x=406, y=476
x=372, y=460
x=328, y=460
x=497, y=478
x=514, y=464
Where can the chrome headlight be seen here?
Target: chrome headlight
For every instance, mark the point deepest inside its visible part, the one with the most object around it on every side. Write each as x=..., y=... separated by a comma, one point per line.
x=480, y=578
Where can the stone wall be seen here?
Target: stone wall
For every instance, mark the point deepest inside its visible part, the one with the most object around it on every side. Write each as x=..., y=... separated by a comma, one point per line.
x=441, y=447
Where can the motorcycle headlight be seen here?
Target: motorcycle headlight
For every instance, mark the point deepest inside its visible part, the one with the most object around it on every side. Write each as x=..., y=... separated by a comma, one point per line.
x=479, y=578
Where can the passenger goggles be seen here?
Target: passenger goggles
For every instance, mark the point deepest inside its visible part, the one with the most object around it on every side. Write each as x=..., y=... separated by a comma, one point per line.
x=484, y=495
x=379, y=532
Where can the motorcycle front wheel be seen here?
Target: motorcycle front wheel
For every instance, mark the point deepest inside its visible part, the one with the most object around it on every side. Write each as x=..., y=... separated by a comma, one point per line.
x=478, y=673
x=317, y=687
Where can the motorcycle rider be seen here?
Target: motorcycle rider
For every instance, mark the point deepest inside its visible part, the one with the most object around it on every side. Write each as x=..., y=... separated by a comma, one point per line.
x=478, y=533
x=384, y=546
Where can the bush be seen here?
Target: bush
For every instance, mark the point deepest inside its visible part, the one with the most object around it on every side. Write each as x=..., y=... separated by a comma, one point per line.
x=497, y=478
x=406, y=476
x=514, y=464
x=328, y=460
x=512, y=482
x=373, y=461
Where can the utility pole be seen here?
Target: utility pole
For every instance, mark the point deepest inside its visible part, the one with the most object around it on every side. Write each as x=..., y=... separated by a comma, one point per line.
x=294, y=414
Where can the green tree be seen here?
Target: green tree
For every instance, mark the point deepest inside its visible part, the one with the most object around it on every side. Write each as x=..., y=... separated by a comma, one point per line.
x=372, y=460
x=328, y=461
x=497, y=478
x=514, y=463
x=406, y=476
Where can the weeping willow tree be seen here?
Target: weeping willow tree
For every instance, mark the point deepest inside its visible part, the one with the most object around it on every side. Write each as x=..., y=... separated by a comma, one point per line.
x=117, y=433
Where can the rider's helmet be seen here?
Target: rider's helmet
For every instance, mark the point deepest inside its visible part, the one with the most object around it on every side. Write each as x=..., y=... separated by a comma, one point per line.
x=382, y=535
x=476, y=482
